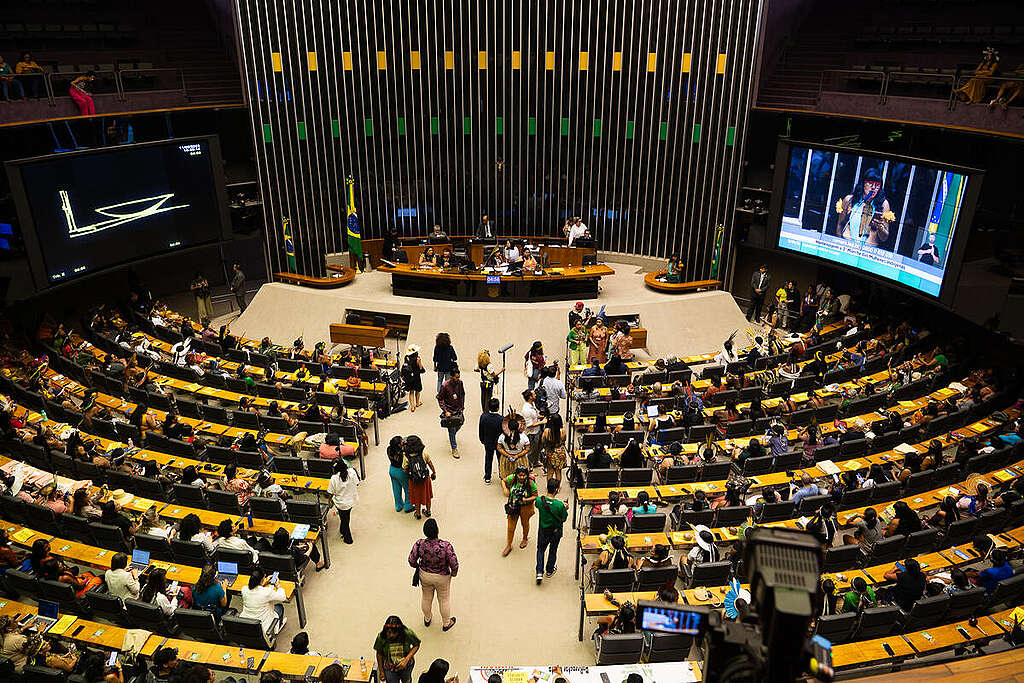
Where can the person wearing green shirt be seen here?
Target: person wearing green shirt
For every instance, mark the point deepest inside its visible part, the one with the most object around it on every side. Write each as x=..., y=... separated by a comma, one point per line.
x=861, y=595
x=577, y=339
x=553, y=514
x=396, y=648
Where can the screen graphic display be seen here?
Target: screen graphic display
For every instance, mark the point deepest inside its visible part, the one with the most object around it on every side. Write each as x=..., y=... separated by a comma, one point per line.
x=889, y=217
x=98, y=209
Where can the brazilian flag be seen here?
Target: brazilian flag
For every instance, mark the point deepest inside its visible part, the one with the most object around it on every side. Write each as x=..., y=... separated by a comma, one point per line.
x=716, y=257
x=289, y=244
x=355, y=239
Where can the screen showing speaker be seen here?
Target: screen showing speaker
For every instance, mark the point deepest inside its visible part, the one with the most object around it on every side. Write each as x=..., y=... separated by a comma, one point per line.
x=100, y=208
x=891, y=217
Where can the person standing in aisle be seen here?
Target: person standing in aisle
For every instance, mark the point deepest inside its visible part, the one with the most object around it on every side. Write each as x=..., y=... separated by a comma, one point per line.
x=452, y=400
x=489, y=432
x=487, y=378
x=436, y=564
x=577, y=340
x=396, y=647
x=412, y=368
x=533, y=361
x=238, y=287
x=553, y=514
x=759, y=282
x=201, y=291
x=399, y=478
x=344, y=496
x=534, y=423
x=444, y=358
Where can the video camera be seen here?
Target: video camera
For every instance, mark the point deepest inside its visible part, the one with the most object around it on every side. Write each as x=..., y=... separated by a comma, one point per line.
x=767, y=642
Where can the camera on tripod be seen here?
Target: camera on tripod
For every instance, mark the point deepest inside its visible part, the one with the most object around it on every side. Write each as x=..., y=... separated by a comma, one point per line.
x=768, y=641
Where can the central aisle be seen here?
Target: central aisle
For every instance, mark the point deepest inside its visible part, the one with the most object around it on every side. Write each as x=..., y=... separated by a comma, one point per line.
x=503, y=617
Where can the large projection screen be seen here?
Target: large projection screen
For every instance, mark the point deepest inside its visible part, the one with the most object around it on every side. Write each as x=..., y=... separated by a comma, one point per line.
x=892, y=218
x=84, y=212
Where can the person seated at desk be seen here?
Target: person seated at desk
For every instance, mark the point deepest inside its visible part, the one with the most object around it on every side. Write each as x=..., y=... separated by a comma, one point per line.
x=575, y=229
x=428, y=258
x=438, y=236
x=512, y=253
x=595, y=369
x=391, y=244
x=672, y=274
x=486, y=230
x=447, y=259
x=617, y=557
x=529, y=261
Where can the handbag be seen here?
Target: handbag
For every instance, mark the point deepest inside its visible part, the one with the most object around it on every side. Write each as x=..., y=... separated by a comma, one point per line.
x=513, y=509
x=416, y=571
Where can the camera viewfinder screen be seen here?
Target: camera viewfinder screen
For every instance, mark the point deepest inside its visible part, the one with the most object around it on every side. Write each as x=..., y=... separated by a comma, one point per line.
x=99, y=209
x=668, y=620
x=888, y=217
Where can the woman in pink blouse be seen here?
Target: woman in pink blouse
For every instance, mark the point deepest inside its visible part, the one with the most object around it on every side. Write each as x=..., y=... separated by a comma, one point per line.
x=437, y=564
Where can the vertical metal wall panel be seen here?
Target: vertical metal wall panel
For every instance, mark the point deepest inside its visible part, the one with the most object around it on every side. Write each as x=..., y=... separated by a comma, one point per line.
x=531, y=112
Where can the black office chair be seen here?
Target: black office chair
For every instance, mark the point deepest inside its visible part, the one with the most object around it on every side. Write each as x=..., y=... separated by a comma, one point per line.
x=706, y=574
x=836, y=628
x=876, y=622
x=242, y=558
x=199, y=625
x=615, y=580
x=190, y=496
x=223, y=501
x=191, y=553
x=682, y=474
x=888, y=549
x=842, y=558
x=602, y=478
x=636, y=476
x=648, y=523
x=157, y=546
x=110, y=537
x=64, y=595
x=107, y=606
x=653, y=578
x=926, y=613
x=266, y=508
x=599, y=524
x=732, y=516
x=619, y=648
x=32, y=673
x=776, y=512
x=249, y=632
x=150, y=617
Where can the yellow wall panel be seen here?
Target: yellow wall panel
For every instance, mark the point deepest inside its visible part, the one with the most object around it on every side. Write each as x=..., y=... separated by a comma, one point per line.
x=686, y=62
x=449, y=59
x=517, y=59
x=652, y=61
x=311, y=59
x=481, y=59
x=721, y=62
x=584, y=61
x=346, y=61
x=616, y=61
x=275, y=60
x=549, y=60
x=382, y=61
x=414, y=60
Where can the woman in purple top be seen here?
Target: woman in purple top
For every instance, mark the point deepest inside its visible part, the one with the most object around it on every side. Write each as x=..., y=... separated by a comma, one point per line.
x=437, y=564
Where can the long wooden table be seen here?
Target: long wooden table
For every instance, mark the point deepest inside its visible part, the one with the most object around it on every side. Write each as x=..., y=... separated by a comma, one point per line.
x=556, y=284
x=221, y=657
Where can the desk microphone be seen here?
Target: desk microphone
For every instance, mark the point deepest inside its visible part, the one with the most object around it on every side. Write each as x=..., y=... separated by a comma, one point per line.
x=389, y=264
x=505, y=348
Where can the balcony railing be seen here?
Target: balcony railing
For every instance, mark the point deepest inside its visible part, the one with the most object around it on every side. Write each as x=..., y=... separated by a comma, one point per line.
x=882, y=84
x=120, y=82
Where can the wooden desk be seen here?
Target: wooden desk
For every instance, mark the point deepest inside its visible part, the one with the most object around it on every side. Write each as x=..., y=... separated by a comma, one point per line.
x=556, y=284
x=870, y=652
x=105, y=636
x=358, y=335
x=342, y=277
x=295, y=666
x=650, y=279
x=948, y=636
x=558, y=256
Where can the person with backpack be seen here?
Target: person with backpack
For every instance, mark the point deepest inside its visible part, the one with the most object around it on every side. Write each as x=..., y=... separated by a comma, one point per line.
x=412, y=368
x=420, y=468
x=553, y=514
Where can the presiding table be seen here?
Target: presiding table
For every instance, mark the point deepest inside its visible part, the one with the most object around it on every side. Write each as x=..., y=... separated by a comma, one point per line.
x=554, y=285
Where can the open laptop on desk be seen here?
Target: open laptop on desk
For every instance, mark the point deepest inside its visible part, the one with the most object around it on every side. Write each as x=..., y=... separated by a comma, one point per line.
x=48, y=616
x=140, y=560
x=227, y=571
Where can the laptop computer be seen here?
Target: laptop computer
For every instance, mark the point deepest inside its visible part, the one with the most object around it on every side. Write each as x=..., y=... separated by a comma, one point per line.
x=140, y=560
x=48, y=616
x=227, y=571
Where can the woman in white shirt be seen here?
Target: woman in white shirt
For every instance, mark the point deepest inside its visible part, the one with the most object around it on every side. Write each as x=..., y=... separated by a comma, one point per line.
x=191, y=529
x=262, y=601
x=511, y=252
x=226, y=537
x=344, y=495
x=155, y=592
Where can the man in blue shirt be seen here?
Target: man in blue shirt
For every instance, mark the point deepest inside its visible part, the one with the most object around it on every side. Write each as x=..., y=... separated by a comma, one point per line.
x=807, y=488
x=489, y=431
x=595, y=368
x=1000, y=570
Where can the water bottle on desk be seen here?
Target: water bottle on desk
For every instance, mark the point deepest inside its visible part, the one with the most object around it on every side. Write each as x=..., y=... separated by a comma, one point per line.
x=362, y=664
x=250, y=518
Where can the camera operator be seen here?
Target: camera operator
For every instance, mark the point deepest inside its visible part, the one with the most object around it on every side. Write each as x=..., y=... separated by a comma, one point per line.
x=521, y=492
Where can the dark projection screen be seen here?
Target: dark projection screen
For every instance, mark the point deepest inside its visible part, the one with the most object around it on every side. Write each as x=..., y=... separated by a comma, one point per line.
x=902, y=220
x=93, y=210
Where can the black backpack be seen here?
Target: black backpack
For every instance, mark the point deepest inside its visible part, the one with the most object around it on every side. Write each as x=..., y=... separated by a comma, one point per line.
x=418, y=470
x=540, y=399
